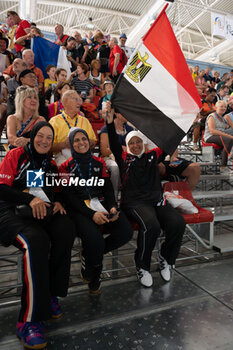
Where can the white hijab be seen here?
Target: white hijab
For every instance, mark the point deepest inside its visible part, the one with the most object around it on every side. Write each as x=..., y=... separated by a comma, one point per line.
x=129, y=137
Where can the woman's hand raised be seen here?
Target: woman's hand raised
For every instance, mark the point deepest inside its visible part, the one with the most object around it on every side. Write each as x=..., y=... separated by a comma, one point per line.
x=109, y=112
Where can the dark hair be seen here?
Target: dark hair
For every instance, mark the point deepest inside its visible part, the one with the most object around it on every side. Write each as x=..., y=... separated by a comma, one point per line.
x=84, y=67
x=49, y=66
x=58, y=24
x=59, y=86
x=33, y=24
x=210, y=90
x=13, y=13
x=59, y=70
x=70, y=38
x=223, y=86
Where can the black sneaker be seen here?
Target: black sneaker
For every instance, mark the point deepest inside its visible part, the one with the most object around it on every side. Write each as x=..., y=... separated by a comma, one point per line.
x=94, y=284
x=86, y=272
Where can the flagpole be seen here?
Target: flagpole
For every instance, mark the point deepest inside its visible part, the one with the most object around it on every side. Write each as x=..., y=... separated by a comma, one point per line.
x=156, y=20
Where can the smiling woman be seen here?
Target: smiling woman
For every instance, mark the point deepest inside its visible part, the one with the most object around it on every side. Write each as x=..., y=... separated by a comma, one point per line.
x=19, y=125
x=45, y=236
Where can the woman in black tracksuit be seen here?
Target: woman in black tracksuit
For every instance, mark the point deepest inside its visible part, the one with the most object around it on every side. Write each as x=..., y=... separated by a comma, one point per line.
x=143, y=202
x=79, y=197
x=45, y=240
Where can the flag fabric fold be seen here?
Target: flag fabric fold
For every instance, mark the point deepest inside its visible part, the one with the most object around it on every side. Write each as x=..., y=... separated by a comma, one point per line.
x=156, y=91
x=47, y=53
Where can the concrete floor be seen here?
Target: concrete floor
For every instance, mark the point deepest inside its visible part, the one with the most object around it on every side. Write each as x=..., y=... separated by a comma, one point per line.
x=192, y=312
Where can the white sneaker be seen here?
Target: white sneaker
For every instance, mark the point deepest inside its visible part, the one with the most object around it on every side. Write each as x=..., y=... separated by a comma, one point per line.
x=165, y=268
x=144, y=277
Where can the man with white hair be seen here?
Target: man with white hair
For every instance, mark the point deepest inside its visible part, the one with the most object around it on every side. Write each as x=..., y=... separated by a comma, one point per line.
x=115, y=59
x=62, y=123
x=28, y=57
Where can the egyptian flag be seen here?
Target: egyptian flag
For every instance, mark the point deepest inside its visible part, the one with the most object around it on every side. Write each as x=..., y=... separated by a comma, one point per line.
x=47, y=53
x=156, y=92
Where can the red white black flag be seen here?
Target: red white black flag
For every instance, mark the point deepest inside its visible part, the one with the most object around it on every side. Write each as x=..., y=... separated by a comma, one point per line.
x=156, y=91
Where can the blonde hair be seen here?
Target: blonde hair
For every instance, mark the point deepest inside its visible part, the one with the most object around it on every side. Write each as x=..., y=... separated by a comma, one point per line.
x=220, y=102
x=22, y=92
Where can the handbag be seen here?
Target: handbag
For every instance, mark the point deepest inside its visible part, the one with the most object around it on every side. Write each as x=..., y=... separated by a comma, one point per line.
x=25, y=211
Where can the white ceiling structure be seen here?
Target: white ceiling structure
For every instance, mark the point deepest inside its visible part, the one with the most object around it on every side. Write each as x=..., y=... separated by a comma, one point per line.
x=190, y=19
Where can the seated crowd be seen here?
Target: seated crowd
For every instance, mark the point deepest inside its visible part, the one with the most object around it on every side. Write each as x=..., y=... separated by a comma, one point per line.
x=53, y=126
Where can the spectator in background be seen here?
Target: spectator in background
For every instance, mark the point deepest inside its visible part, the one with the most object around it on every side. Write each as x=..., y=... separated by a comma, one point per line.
x=25, y=40
x=4, y=59
x=62, y=123
x=115, y=59
x=122, y=129
x=223, y=80
x=20, y=124
x=216, y=78
x=195, y=72
x=60, y=76
x=95, y=76
x=122, y=41
x=215, y=132
x=81, y=83
x=71, y=52
x=50, y=70
x=229, y=105
x=23, y=28
x=11, y=35
x=4, y=42
x=28, y=78
x=208, y=107
x=229, y=114
x=28, y=57
x=18, y=66
x=200, y=82
x=207, y=76
x=57, y=107
x=61, y=37
x=108, y=89
x=81, y=46
x=102, y=52
x=222, y=93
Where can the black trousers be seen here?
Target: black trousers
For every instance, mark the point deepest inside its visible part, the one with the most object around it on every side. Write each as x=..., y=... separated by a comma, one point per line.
x=224, y=141
x=94, y=244
x=46, y=251
x=151, y=220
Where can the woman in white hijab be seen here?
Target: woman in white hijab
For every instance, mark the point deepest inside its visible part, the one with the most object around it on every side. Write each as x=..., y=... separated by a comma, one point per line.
x=143, y=202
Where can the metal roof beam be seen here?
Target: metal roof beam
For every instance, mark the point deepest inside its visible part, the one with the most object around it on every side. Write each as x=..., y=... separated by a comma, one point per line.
x=216, y=51
x=198, y=16
x=87, y=8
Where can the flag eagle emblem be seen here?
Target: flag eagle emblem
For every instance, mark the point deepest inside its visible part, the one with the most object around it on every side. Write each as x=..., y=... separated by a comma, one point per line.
x=138, y=67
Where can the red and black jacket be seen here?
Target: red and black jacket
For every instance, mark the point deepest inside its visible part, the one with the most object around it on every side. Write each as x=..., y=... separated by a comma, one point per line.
x=74, y=196
x=139, y=176
x=13, y=173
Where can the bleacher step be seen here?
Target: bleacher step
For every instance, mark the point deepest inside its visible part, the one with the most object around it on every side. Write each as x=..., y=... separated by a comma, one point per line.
x=224, y=243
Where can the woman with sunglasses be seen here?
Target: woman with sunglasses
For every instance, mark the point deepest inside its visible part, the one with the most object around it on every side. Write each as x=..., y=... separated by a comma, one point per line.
x=34, y=221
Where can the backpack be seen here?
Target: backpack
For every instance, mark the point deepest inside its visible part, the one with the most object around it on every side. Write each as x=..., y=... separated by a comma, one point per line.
x=124, y=58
